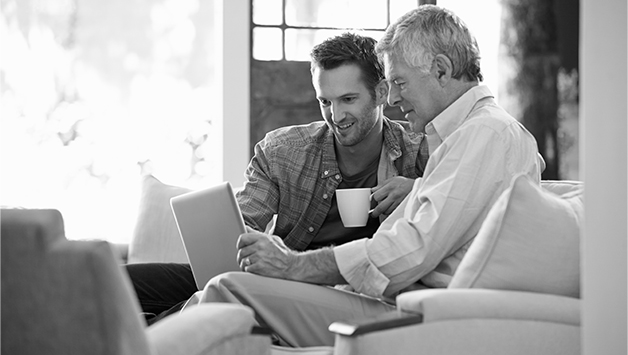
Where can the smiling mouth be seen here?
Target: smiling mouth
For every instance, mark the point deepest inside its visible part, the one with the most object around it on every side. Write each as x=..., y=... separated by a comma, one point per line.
x=346, y=126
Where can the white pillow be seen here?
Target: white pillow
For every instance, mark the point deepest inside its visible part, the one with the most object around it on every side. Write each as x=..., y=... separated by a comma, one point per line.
x=529, y=241
x=156, y=236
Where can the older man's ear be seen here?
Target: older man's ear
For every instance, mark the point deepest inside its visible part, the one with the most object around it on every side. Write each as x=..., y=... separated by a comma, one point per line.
x=381, y=92
x=442, y=69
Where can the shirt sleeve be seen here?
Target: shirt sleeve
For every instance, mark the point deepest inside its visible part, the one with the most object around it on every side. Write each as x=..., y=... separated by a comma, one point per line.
x=442, y=213
x=259, y=199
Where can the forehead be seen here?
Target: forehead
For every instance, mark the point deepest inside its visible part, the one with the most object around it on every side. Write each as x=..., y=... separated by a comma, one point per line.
x=394, y=67
x=338, y=81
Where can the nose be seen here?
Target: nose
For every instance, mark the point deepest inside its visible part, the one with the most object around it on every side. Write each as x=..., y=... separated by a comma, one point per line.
x=336, y=113
x=393, y=95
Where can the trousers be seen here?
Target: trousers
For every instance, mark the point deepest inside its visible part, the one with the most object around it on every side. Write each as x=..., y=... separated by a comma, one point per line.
x=162, y=288
x=298, y=313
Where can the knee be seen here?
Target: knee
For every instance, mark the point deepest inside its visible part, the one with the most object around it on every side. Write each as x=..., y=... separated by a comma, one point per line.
x=221, y=287
x=229, y=280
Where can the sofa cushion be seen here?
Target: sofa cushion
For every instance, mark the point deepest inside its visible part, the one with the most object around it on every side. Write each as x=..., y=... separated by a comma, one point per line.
x=156, y=237
x=530, y=241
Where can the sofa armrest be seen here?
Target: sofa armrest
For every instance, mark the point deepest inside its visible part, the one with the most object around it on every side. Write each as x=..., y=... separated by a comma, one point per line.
x=385, y=321
x=217, y=328
x=447, y=304
x=473, y=322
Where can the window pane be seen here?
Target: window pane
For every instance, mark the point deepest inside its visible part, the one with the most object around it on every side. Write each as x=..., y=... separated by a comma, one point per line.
x=267, y=12
x=335, y=13
x=299, y=42
x=400, y=7
x=267, y=44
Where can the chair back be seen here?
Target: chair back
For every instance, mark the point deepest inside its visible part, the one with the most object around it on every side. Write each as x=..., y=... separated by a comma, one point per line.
x=63, y=297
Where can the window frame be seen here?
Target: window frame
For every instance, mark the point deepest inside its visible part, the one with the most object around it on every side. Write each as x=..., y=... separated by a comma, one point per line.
x=284, y=26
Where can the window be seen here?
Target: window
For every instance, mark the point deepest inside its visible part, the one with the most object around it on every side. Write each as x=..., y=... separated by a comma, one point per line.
x=288, y=29
x=95, y=93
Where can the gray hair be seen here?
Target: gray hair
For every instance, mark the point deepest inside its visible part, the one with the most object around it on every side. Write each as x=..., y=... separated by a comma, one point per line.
x=421, y=34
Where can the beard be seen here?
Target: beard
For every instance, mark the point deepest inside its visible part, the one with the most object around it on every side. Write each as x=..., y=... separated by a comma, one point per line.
x=361, y=128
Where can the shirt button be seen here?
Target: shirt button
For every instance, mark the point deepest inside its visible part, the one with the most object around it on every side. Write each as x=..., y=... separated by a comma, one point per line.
x=325, y=196
x=326, y=172
x=311, y=229
x=337, y=176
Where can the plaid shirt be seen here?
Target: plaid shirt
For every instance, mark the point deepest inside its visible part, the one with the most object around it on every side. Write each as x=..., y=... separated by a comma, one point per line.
x=294, y=174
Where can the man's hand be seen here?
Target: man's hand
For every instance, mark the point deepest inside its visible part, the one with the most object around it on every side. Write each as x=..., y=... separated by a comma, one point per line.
x=264, y=254
x=267, y=255
x=390, y=194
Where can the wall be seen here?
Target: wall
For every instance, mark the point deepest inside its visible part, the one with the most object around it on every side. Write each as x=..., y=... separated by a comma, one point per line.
x=277, y=102
x=603, y=130
x=233, y=86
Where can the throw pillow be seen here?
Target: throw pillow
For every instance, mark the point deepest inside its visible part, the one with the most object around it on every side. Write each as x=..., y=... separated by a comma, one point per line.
x=156, y=236
x=529, y=241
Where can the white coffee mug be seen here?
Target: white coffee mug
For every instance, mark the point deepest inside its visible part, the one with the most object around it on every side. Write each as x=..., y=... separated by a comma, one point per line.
x=354, y=206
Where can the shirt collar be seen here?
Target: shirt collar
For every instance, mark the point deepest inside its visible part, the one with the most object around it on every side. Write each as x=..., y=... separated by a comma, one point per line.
x=391, y=143
x=454, y=116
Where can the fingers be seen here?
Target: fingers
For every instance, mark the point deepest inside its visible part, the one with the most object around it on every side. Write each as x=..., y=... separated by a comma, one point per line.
x=382, y=196
x=246, y=247
x=390, y=194
x=381, y=191
x=249, y=238
x=245, y=263
x=253, y=246
x=384, y=207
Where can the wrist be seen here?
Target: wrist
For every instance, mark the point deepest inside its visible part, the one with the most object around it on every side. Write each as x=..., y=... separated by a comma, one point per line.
x=315, y=266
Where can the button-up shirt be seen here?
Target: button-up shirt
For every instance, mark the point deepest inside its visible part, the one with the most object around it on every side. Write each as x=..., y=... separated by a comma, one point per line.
x=294, y=174
x=476, y=148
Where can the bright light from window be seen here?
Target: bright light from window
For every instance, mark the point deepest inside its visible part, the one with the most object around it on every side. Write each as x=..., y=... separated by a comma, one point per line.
x=270, y=41
x=299, y=42
x=88, y=107
x=267, y=12
x=336, y=13
x=325, y=18
x=400, y=7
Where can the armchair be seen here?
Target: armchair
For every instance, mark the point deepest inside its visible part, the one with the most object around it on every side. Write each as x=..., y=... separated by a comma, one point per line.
x=71, y=297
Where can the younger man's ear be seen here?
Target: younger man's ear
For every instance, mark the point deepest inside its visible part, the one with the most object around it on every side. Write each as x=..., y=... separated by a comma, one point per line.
x=381, y=92
x=442, y=69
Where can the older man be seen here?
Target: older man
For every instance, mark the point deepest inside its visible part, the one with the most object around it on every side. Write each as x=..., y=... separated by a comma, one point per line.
x=432, y=67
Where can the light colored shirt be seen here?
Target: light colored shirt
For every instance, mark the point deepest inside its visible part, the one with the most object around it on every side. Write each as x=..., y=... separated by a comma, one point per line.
x=294, y=175
x=476, y=148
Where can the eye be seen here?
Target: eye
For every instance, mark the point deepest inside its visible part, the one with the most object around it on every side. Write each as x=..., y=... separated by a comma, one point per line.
x=323, y=102
x=349, y=99
x=400, y=84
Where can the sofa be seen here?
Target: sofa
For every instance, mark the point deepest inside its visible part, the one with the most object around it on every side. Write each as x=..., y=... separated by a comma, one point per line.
x=62, y=297
x=516, y=291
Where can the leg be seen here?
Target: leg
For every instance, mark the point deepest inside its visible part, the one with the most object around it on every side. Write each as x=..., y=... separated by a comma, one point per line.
x=161, y=286
x=298, y=313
